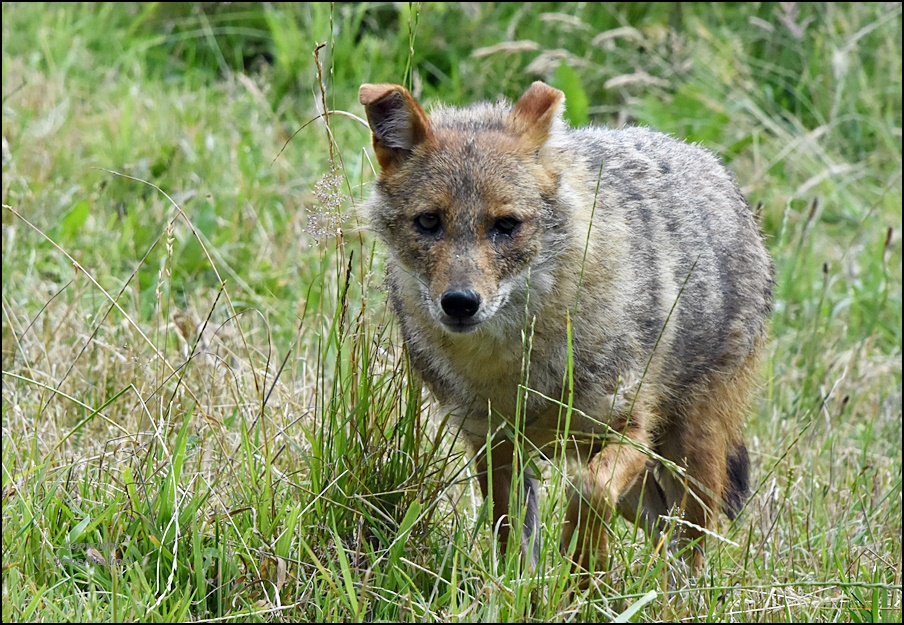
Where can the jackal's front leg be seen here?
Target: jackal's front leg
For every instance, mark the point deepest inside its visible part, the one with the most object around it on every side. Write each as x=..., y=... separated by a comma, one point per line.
x=606, y=477
x=502, y=476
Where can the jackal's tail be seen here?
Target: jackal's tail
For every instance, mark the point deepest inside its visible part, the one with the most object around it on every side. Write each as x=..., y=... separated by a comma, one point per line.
x=738, y=488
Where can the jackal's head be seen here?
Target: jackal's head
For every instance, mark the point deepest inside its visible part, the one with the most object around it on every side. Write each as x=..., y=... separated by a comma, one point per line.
x=465, y=198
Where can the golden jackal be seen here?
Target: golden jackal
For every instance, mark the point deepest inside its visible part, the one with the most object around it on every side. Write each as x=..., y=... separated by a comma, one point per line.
x=619, y=272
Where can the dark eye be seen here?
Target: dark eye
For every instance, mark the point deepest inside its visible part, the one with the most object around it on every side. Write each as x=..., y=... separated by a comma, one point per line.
x=428, y=223
x=506, y=226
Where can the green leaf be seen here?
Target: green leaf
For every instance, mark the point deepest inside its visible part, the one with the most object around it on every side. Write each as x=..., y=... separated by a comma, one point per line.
x=577, y=103
x=411, y=517
x=635, y=607
x=73, y=221
x=76, y=532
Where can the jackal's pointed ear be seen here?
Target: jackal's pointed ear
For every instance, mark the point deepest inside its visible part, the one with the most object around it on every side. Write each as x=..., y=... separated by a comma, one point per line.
x=535, y=114
x=397, y=121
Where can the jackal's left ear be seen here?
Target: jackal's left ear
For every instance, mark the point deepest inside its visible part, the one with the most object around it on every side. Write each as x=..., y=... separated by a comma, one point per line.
x=397, y=121
x=535, y=114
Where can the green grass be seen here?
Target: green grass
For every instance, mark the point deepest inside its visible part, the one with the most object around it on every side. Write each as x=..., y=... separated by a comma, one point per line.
x=206, y=409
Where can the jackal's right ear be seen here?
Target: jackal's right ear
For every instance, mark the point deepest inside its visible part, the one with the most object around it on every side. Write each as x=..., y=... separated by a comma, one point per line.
x=397, y=121
x=535, y=114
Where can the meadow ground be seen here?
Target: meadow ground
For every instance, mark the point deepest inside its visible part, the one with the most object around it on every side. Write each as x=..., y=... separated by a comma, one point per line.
x=206, y=410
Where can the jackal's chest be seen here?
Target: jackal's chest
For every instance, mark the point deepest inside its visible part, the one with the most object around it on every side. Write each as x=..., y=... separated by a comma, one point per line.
x=487, y=370
x=488, y=383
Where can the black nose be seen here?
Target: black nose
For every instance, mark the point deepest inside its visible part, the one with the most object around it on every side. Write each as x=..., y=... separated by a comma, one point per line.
x=460, y=304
